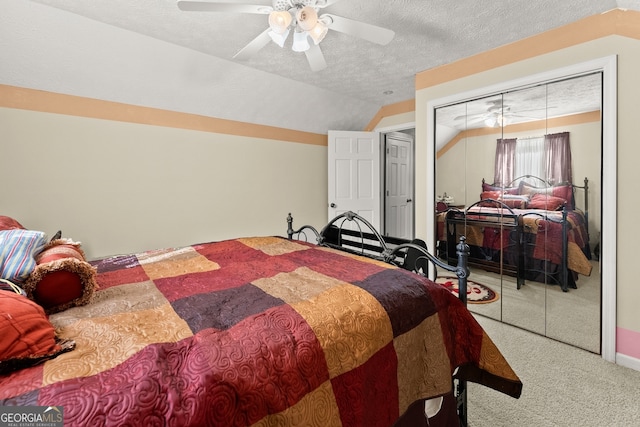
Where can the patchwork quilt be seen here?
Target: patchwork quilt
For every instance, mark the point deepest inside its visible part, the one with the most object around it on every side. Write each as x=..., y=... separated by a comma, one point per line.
x=544, y=235
x=257, y=332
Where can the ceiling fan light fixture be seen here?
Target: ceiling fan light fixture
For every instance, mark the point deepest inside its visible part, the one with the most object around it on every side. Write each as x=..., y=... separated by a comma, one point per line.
x=297, y=16
x=307, y=18
x=490, y=122
x=496, y=121
x=300, y=41
x=279, y=21
x=318, y=32
x=279, y=38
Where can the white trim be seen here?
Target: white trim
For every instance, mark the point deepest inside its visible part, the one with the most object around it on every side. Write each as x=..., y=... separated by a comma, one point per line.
x=383, y=131
x=628, y=361
x=396, y=128
x=541, y=78
x=431, y=178
x=609, y=232
x=608, y=245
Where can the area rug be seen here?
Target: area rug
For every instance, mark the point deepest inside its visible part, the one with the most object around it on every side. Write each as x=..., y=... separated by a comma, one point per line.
x=477, y=293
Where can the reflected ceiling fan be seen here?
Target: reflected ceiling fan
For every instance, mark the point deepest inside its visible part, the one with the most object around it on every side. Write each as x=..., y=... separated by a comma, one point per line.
x=298, y=16
x=497, y=115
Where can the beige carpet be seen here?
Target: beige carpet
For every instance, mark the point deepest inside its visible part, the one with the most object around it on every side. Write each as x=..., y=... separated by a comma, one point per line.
x=572, y=317
x=563, y=385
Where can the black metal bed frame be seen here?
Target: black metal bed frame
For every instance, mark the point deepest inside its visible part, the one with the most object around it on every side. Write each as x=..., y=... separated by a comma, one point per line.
x=514, y=224
x=352, y=233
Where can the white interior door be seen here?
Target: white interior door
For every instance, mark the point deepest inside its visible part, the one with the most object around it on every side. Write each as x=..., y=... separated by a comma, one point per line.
x=354, y=174
x=398, y=201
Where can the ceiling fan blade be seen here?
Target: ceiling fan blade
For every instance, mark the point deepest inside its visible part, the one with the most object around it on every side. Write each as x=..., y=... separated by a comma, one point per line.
x=315, y=58
x=475, y=120
x=473, y=116
x=359, y=29
x=254, y=46
x=205, y=6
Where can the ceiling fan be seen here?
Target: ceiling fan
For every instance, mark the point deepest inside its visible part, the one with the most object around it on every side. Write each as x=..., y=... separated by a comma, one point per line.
x=497, y=114
x=300, y=16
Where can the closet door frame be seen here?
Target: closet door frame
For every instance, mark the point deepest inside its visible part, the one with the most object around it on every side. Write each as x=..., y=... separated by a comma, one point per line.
x=608, y=244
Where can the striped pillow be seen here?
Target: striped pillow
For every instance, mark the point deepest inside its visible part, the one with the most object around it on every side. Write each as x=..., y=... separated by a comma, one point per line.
x=18, y=249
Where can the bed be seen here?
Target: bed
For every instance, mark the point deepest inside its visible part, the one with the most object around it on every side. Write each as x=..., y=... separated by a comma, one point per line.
x=259, y=331
x=529, y=229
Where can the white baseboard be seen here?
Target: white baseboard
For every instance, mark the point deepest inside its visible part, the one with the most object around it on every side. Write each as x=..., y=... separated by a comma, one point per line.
x=628, y=361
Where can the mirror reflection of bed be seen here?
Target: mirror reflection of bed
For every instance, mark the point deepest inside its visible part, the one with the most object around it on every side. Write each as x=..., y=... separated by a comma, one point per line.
x=467, y=135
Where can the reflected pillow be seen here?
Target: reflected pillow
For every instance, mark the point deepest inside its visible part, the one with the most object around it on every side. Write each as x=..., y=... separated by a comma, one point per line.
x=515, y=201
x=564, y=192
x=487, y=199
x=505, y=190
x=546, y=202
x=495, y=195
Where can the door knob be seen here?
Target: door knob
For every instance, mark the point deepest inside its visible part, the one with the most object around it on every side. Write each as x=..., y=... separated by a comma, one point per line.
x=409, y=200
x=333, y=205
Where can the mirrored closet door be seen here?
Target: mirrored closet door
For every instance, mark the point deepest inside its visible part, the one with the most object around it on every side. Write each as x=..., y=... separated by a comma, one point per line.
x=518, y=173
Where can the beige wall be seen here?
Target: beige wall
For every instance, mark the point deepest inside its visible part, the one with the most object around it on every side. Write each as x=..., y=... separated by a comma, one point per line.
x=556, y=55
x=122, y=187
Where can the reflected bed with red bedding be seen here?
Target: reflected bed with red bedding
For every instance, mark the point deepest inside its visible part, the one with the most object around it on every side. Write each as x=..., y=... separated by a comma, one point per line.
x=544, y=226
x=257, y=331
x=531, y=231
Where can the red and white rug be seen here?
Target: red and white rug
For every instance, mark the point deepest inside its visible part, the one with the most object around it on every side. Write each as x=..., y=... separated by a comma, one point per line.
x=477, y=293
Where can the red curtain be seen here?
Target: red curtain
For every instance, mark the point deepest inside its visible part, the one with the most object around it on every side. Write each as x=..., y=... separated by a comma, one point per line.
x=505, y=161
x=557, y=159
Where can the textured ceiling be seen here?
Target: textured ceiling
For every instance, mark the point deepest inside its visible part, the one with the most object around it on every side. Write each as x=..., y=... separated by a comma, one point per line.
x=276, y=86
x=580, y=94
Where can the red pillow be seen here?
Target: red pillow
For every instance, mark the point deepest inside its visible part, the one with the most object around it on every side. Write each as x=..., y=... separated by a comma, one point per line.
x=58, y=288
x=25, y=330
x=513, y=201
x=543, y=201
x=503, y=190
x=7, y=223
x=62, y=278
x=495, y=195
x=564, y=192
